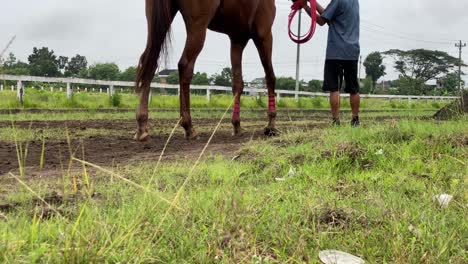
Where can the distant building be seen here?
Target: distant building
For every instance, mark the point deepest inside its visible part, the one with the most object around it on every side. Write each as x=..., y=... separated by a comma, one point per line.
x=258, y=83
x=164, y=74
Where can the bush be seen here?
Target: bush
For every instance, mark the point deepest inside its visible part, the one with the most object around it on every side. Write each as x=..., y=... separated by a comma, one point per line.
x=317, y=102
x=436, y=105
x=115, y=100
x=282, y=104
x=260, y=102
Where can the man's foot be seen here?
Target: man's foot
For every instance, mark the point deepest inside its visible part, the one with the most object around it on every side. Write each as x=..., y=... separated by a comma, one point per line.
x=336, y=122
x=355, y=122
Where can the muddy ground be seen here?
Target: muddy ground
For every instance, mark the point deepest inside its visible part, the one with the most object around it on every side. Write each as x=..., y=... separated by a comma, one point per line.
x=121, y=148
x=109, y=150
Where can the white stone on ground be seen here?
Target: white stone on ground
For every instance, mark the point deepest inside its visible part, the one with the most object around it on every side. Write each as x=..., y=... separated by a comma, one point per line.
x=338, y=257
x=443, y=199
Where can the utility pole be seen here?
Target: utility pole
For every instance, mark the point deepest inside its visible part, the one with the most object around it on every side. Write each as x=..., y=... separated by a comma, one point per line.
x=460, y=46
x=298, y=60
x=6, y=48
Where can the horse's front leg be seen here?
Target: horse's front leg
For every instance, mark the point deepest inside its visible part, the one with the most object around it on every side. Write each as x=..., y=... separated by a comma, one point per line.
x=193, y=46
x=237, y=49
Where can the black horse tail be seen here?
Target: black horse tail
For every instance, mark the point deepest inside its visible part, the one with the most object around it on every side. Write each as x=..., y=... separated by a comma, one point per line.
x=159, y=17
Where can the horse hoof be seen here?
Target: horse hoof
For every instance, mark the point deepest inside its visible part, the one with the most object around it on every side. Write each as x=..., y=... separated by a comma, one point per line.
x=238, y=132
x=141, y=137
x=271, y=132
x=192, y=135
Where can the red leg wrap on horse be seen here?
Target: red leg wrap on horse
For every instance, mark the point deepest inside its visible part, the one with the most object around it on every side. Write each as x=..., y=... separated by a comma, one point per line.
x=236, y=113
x=271, y=104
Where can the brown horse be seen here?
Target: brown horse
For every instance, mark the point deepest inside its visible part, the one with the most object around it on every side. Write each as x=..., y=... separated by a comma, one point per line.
x=241, y=20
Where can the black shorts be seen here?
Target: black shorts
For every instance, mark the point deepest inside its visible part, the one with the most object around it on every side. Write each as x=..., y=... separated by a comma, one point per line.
x=338, y=70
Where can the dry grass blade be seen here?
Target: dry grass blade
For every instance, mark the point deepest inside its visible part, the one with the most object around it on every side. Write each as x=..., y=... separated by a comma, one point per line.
x=124, y=179
x=163, y=151
x=48, y=205
x=190, y=175
x=35, y=194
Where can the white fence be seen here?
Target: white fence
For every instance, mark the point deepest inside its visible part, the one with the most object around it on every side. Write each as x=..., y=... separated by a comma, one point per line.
x=252, y=91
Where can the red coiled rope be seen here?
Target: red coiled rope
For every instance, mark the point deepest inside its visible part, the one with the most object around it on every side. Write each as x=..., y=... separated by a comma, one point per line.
x=301, y=39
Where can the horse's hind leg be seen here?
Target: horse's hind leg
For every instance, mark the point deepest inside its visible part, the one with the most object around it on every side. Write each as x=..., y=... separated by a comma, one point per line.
x=264, y=46
x=142, y=133
x=237, y=49
x=193, y=46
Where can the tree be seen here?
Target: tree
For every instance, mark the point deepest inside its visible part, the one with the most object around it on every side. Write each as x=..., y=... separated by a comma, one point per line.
x=10, y=61
x=367, y=86
x=129, y=74
x=449, y=83
x=416, y=67
x=104, y=71
x=173, y=78
x=200, y=79
x=14, y=67
x=76, y=65
x=374, y=67
x=410, y=86
x=423, y=64
x=224, y=78
x=43, y=62
x=315, y=86
x=62, y=62
x=285, y=83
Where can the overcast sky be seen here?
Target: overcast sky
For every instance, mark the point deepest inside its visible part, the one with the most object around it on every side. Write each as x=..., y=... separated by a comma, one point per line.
x=115, y=31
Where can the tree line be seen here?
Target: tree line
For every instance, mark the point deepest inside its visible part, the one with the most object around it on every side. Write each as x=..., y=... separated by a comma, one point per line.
x=415, y=68
x=44, y=62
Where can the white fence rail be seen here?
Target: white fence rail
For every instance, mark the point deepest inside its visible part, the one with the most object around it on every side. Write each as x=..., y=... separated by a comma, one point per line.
x=252, y=91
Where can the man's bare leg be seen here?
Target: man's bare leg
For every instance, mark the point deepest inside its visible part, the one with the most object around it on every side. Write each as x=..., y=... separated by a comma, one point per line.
x=355, y=101
x=335, y=107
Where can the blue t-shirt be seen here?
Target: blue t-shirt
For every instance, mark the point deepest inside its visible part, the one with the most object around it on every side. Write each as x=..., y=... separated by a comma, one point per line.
x=343, y=33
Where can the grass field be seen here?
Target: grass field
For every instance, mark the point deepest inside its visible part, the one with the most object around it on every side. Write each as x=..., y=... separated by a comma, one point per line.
x=52, y=100
x=367, y=191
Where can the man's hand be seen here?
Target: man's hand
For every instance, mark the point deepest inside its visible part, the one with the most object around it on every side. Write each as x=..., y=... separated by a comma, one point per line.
x=320, y=20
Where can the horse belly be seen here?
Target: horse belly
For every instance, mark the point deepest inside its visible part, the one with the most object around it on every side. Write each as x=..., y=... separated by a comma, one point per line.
x=234, y=17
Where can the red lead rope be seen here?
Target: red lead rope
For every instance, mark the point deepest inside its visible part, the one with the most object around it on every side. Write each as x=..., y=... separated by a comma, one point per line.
x=295, y=8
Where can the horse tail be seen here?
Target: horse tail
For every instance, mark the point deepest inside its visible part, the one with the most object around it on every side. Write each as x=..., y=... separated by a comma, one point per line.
x=159, y=18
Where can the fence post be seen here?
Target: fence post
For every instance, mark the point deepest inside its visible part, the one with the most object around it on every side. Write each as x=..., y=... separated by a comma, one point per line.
x=150, y=97
x=278, y=97
x=100, y=90
x=69, y=91
x=1, y=87
x=20, y=91
x=12, y=88
x=111, y=90
x=208, y=94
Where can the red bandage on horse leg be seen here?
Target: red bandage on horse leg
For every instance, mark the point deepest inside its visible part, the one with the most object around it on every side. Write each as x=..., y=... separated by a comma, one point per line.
x=271, y=104
x=236, y=112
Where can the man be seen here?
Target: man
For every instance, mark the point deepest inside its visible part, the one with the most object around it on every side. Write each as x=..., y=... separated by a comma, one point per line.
x=343, y=50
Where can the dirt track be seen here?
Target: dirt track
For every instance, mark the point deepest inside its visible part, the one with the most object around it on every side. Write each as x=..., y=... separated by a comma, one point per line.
x=120, y=147
x=108, y=150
